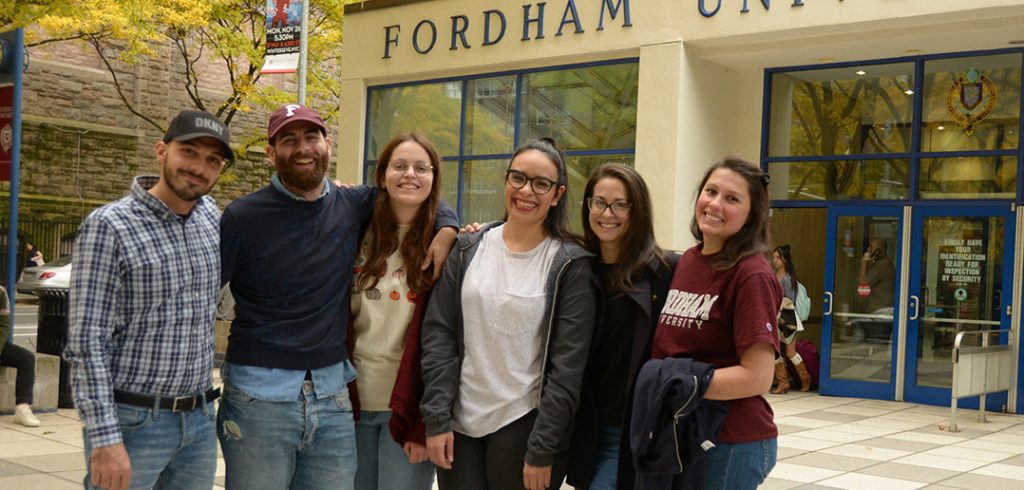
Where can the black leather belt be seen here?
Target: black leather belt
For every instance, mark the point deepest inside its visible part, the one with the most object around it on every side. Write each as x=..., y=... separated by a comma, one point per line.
x=172, y=403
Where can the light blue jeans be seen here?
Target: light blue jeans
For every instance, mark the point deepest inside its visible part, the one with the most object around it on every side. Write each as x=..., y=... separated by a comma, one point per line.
x=382, y=462
x=167, y=450
x=306, y=444
x=741, y=466
x=606, y=466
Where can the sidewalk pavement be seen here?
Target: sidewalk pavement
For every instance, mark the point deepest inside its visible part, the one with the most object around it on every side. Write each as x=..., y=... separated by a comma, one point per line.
x=825, y=442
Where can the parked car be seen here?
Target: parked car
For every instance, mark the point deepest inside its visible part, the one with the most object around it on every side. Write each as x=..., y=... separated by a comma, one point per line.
x=53, y=274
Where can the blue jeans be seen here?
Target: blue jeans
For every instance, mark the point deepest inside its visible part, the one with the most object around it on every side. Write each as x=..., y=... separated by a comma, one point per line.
x=382, y=462
x=305, y=444
x=172, y=450
x=741, y=466
x=606, y=466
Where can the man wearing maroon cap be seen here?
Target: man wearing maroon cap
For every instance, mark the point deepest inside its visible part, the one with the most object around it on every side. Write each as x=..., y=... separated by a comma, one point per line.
x=288, y=251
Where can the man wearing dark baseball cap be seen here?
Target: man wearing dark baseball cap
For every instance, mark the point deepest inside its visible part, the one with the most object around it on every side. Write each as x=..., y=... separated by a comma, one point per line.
x=142, y=303
x=288, y=251
x=189, y=125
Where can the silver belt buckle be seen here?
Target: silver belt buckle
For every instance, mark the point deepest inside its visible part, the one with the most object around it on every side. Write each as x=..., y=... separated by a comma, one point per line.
x=184, y=406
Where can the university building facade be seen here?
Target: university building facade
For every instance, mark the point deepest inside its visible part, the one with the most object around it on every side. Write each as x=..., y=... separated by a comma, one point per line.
x=887, y=122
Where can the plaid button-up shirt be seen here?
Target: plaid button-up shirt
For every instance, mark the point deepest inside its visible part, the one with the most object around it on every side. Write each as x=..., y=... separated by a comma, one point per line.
x=143, y=300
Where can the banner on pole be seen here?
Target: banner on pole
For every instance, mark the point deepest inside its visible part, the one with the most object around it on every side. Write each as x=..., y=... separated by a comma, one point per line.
x=284, y=32
x=6, y=130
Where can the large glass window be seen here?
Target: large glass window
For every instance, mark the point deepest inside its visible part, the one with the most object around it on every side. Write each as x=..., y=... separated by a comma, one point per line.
x=938, y=127
x=971, y=103
x=431, y=109
x=842, y=111
x=483, y=190
x=968, y=177
x=587, y=108
x=477, y=122
x=839, y=179
x=490, y=116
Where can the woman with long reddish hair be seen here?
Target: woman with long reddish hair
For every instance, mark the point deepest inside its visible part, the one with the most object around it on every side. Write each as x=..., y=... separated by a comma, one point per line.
x=389, y=297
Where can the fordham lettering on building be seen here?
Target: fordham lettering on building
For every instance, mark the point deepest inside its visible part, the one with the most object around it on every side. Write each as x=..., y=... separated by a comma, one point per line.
x=490, y=26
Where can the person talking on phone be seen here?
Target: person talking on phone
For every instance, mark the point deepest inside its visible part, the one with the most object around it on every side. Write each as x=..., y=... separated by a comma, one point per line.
x=877, y=277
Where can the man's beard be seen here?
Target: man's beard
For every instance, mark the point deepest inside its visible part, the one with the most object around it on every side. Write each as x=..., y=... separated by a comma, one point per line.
x=304, y=179
x=182, y=188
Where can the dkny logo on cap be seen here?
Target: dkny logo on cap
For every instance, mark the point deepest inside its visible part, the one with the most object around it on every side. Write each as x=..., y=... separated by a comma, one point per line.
x=189, y=125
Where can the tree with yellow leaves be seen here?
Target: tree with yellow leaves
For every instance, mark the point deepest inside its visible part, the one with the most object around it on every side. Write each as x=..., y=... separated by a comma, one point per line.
x=209, y=38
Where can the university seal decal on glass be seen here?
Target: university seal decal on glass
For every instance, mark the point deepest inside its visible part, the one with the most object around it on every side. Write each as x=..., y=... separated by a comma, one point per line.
x=971, y=98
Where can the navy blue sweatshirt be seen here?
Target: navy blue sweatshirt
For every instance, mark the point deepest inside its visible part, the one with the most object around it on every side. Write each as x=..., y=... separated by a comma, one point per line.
x=290, y=267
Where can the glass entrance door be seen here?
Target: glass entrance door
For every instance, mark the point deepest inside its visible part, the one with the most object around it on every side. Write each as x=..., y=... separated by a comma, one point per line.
x=961, y=273
x=859, y=340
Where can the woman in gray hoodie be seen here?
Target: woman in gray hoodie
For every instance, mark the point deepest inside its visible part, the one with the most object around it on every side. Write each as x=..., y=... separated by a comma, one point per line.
x=506, y=336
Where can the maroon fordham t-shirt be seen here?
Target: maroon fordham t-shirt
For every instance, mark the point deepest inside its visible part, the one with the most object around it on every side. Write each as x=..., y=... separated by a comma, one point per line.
x=714, y=317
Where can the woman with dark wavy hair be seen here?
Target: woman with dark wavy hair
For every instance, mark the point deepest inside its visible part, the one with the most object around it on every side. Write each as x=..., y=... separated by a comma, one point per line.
x=506, y=336
x=722, y=310
x=389, y=296
x=635, y=273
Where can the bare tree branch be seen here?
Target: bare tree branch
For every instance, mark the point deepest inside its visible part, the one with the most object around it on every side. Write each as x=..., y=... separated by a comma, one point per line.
x=851, y=99
x=117, y=85
x=77, y=37
x=191, y=77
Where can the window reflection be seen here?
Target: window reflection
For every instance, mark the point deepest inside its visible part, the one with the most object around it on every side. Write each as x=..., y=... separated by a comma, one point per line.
x=483, y=190
x=843, y=179
x=584, y=108
x=836, y=111
x=490, y=116
x=960, y=91
x=430, y=109
x=968, y=177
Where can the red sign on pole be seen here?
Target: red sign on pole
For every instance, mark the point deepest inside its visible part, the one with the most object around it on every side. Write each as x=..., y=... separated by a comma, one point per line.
x=284, y=32
x=6, y=130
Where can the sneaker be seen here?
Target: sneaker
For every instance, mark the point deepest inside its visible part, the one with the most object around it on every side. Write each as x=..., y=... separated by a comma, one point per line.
x=23, y=415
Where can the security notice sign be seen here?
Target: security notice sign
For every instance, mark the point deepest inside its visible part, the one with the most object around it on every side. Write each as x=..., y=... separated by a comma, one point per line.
x=962, y=260
x=962, y=267
x=284, y=32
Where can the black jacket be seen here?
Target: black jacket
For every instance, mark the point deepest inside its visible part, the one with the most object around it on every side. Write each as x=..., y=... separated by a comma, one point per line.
x=649, y=298
x=673, y=427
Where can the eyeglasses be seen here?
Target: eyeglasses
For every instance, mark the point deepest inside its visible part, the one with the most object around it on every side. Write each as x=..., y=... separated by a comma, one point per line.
x=540, y=185
x=420, y=169
x=598, y=205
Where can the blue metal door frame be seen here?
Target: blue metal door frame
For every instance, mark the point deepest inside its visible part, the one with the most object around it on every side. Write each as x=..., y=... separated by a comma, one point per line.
x=846, y=387
x=941, y=396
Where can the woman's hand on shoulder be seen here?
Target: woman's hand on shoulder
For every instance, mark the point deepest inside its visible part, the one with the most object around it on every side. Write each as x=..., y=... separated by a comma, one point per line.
x=471, y=228
x=342, y=185
x=438, y=251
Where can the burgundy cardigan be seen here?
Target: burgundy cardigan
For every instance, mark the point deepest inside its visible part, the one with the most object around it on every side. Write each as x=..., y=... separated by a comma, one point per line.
x=406, y=422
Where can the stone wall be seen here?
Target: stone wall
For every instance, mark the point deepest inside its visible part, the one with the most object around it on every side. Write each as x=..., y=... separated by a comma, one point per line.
x=81, y=145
